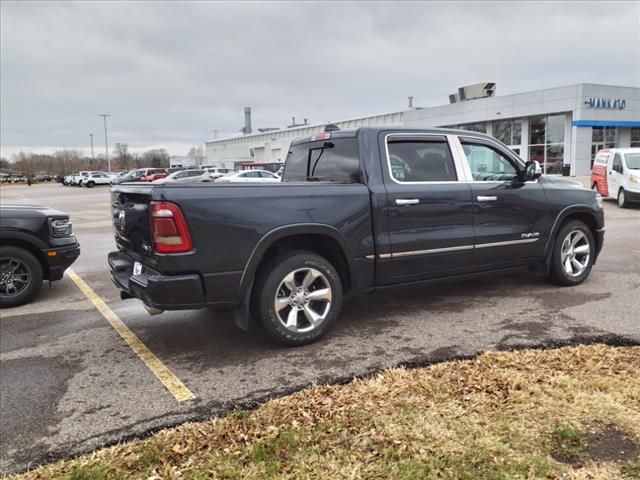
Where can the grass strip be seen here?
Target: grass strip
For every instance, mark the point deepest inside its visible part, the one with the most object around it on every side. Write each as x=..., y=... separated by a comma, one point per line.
x=571, y=412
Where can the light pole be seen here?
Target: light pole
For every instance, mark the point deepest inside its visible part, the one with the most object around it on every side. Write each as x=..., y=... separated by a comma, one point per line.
x=106, y=143
x=93, y=157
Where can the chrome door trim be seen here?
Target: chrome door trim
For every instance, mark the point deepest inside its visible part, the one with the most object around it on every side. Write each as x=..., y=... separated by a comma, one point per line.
x=487, y=198
x=431, y=251
x=407, y=201
x=509, y=242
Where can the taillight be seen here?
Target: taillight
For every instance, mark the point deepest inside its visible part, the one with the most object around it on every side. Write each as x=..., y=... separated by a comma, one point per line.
x=169, y=229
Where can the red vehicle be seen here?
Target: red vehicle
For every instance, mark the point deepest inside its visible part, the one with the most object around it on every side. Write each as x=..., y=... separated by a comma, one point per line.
x=151, y=174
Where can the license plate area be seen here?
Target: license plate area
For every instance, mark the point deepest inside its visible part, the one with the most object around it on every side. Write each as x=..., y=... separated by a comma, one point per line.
x=137, y=268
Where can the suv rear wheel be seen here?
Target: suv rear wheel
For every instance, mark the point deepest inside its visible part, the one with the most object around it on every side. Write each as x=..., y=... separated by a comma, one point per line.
x=573, y=254
x=298, y=297
x=20, y=276
x=91, y=184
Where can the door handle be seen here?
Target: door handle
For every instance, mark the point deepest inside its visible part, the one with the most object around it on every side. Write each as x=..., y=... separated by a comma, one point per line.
x=482, y=198
x=407, y=201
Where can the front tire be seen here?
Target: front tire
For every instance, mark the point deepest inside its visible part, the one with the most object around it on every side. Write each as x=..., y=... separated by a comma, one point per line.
x=622, y=199
x=20, y=276
x=573, y=254
x=298, y=297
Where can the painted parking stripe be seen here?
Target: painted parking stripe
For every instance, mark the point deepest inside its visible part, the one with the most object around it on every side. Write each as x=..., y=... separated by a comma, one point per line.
x=178, y=389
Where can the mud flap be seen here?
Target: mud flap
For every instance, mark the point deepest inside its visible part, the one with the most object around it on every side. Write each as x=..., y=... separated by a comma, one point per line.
x=242, y=314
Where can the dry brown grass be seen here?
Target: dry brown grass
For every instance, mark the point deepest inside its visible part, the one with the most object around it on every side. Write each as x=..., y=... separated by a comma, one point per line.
x=500, y=415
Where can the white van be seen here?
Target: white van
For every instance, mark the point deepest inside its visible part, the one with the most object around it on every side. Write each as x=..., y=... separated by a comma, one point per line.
x=616, y=174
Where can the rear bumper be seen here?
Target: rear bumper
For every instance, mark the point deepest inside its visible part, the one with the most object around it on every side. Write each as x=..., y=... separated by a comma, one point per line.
x=165, y=292
x=59, y=259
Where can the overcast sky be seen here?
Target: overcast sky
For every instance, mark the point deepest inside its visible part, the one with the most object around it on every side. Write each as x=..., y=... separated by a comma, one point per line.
x=171, y=73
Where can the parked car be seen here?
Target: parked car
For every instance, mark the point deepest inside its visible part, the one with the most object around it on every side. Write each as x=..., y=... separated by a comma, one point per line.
x=217, y=172
x=345, y=221
x=249, y=176
x=17, y=178
x=140, y=175
x=69, y=178
x=182, y=176
x=616, y=174
x=96, y=178
x=76, y=180
x=36, y=243
x=121, y=177
x=43, y=178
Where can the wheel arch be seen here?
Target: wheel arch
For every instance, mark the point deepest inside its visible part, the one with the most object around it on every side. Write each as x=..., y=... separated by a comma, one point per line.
x=322, y=239
x=579, y=212
x=30, y=244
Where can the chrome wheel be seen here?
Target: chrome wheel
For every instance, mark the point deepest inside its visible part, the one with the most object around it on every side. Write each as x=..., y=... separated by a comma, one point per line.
x=621, y=199
x=575, y=253
x=303, y=300
x=15, y=277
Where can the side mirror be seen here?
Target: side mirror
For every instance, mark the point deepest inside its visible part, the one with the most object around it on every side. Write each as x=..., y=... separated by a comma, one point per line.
x=532, y=170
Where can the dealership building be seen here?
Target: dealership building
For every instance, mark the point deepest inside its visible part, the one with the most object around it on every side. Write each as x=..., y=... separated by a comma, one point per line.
x=560, y=127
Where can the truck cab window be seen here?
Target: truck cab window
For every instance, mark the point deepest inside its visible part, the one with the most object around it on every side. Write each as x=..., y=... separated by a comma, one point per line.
x=335, y=160
x=413, y=160
x=487, y=164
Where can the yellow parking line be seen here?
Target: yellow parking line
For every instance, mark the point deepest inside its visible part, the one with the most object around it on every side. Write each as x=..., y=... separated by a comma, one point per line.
x=159, y=369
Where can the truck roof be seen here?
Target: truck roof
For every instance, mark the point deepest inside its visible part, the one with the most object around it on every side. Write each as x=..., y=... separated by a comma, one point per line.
x=355, y=132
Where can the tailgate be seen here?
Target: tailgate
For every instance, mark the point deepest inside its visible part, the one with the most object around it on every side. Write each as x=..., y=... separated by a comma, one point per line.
x=130, y=213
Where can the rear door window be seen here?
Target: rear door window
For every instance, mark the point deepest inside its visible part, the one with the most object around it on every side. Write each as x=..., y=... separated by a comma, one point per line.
x=416, y=159
x=334, y=160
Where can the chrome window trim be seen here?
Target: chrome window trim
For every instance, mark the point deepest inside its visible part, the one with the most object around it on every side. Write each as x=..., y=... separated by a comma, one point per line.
x=448, y=139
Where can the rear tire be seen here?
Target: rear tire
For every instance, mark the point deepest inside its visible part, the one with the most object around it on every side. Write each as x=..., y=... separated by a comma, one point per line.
x=573, y=254
x=298, y=297
x=91, y=184
x=622, y=199
x=20, y=276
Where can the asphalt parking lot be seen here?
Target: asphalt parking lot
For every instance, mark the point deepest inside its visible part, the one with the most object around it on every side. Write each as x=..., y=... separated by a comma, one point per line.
x=70, y=383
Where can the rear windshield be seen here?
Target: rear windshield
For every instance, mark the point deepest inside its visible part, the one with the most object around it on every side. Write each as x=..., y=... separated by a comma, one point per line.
x=323, y=161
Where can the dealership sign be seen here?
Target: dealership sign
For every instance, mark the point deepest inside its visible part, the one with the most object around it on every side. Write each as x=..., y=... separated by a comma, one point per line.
x=601, y=102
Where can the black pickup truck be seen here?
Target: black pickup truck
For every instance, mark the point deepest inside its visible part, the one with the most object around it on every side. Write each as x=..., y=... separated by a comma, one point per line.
x=36, y=244
x=356, y=210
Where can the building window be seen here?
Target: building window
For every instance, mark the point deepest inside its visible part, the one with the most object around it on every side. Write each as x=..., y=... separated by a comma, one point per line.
x=635, y=137
x=602, y=137
x=546, y=141
x=479, y=127
x=508, y=132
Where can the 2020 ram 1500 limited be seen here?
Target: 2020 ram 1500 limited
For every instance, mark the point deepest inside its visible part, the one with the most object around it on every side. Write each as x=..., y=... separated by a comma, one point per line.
x=356, y=210
x=36, y=244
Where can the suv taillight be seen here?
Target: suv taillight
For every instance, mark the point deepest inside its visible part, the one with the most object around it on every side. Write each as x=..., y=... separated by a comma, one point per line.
x=169, y=229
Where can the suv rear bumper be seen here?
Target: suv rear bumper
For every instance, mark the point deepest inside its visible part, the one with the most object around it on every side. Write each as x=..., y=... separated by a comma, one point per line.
x=164, y=292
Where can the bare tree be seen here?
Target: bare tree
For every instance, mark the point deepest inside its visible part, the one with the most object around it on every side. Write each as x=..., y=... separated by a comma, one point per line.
x=157, y=158
x=122, y=159
x=197, y=155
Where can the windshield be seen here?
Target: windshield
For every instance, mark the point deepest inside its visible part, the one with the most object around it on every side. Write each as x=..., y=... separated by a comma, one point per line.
x=632, y=160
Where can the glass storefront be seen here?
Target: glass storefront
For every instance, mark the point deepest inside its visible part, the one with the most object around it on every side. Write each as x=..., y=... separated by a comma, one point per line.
x=602, y=137
x=635, y=136
x=546, y=141
x=480, y=127
x=508, y=132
